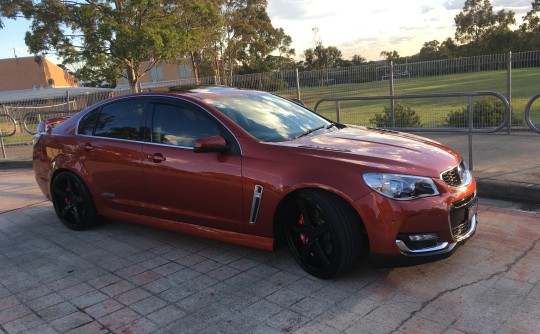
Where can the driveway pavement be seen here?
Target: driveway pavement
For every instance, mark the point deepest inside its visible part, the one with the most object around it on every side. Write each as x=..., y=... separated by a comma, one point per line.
x=125, y=278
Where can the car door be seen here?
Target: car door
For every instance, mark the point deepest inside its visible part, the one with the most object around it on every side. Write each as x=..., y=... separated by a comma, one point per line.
x=181, y=185
x=110, y=141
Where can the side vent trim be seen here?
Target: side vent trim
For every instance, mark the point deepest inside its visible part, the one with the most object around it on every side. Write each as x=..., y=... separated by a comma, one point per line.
x=256, y=203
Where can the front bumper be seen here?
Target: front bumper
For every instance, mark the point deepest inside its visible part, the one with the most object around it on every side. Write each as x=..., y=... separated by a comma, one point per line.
x=440, y=247
x=422, y=230
x=462, y=221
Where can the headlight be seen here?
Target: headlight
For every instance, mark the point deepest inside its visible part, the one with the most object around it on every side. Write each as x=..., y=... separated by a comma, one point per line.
x=401, y=187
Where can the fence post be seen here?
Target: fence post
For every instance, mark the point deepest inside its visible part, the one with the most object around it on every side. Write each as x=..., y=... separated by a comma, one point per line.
x=2, y=145
x=470, y=134
x=392, y=114
x=67, y=101
x=297, y=83
x=509, y=88
x=338, y=112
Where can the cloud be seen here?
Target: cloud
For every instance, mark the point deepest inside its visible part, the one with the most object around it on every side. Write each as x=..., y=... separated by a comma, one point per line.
x=511, y=3
x=299, y=10
x=426, y=9
x=453, y=4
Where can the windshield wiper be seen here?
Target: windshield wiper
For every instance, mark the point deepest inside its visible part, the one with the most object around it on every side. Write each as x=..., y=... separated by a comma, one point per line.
x=331, y=125
x=309, y=131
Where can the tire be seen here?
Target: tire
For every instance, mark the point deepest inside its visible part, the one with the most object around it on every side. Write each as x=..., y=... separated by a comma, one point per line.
x=72, y=202
x=323, y=233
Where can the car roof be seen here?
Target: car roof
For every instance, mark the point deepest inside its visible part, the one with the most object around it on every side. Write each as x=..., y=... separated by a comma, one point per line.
x=203, y=92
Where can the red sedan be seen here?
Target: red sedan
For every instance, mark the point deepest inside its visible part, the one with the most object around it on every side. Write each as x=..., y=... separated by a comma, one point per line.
x=255, y=169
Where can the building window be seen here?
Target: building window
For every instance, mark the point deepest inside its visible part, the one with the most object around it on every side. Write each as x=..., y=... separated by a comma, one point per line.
x=156, y=73
x=183, y=71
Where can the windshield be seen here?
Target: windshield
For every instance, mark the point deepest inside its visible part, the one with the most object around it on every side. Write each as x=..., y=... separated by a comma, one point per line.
x=268, y=117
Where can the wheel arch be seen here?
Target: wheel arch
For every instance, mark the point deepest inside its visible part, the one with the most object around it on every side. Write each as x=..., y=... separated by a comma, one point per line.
x=281, y=211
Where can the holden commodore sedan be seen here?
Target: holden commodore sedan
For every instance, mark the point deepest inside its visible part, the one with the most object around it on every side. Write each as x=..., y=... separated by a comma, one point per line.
x=257, y=170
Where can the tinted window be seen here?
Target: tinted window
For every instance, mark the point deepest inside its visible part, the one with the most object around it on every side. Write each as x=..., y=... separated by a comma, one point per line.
x=181, y=126
x=121, y=120
x=88, y=123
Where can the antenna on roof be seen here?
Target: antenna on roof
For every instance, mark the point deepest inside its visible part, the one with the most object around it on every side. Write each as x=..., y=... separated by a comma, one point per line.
x=15, y=54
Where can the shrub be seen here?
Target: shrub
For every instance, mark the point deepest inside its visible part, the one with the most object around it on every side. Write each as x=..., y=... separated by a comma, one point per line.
x=488, y=112
x=404, y=116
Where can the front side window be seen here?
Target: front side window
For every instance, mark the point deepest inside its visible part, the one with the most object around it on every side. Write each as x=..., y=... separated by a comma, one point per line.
x=181, y=125
x=121, y=120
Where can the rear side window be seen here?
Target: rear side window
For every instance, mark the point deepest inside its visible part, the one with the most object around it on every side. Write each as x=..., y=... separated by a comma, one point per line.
x=88, y=123
x=121, y=120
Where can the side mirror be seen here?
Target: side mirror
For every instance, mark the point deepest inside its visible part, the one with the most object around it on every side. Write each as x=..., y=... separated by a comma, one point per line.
x=215, y=144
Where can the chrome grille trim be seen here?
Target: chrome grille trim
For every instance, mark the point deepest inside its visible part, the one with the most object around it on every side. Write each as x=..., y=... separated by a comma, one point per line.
x=457, y=175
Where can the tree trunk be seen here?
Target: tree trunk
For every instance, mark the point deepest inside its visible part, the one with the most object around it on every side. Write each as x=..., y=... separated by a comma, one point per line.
x=195, y=67
x=133, y=78
x=223, y=66
x=217, y=75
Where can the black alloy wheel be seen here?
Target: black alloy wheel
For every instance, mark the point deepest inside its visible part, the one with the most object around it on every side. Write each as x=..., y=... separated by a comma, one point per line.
x=72, y=202
x=323, y=233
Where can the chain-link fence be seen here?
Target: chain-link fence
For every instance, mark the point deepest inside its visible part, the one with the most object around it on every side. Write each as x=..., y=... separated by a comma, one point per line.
x=516, y=76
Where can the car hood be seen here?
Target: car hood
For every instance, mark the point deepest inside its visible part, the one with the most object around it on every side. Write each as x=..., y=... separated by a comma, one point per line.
x=382, y=150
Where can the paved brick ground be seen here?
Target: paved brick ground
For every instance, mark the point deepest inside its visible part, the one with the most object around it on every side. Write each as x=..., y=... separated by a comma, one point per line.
x=125, y=278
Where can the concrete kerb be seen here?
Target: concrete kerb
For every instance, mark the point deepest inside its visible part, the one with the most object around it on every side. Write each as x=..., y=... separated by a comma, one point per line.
x=507, y=190
x=496, y=189
x=15, y=164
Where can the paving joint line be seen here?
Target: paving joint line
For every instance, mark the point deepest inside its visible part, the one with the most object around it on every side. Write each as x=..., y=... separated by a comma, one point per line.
x=440, y=294
x=24, y=207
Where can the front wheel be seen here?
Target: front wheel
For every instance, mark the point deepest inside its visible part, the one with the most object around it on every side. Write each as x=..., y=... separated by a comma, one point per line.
x=323, y=233
x=72, y=202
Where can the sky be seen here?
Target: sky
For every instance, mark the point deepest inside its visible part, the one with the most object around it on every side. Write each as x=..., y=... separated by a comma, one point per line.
x=354, y=26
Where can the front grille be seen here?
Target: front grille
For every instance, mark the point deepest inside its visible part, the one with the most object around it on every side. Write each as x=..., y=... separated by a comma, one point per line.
x=451, y=177
x=460, y=222
x=456, y=176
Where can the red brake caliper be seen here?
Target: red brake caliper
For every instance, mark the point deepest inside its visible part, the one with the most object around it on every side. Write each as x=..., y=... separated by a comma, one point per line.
x=66, y=200
x=303, y=237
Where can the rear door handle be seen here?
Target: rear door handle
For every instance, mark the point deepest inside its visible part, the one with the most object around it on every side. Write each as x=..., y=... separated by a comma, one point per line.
x=87, y=147
x=157, y=158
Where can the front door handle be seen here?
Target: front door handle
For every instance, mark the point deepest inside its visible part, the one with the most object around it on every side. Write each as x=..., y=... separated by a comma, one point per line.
x=157, y=158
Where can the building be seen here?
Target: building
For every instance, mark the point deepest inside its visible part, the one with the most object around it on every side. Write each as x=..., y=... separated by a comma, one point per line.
x=160, y=74
x=22, y=73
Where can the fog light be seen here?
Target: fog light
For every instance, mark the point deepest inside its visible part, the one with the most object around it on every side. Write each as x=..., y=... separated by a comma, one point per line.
x=423, y=237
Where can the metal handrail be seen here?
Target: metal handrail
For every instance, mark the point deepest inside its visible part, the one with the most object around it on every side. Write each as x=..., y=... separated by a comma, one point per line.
x=39, y=114
x=469, y=130
x=528, y=114
x=14, y=126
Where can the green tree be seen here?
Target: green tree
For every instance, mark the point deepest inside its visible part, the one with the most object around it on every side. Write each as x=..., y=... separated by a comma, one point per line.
x=201, y=18
x=429, y=51
x=357, y=60
x=13, y=9
x=473, y=22
x=390, y=55
x=529, y=30
x=449, y=49
x=116, y=35
x=322, y=57
x=248, y=35
x=500, y=37
x=404, y=117
x=482, y=29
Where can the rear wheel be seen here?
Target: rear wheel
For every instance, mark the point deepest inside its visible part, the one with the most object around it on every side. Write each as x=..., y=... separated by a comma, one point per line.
x=323, y=233
x=72, y=202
